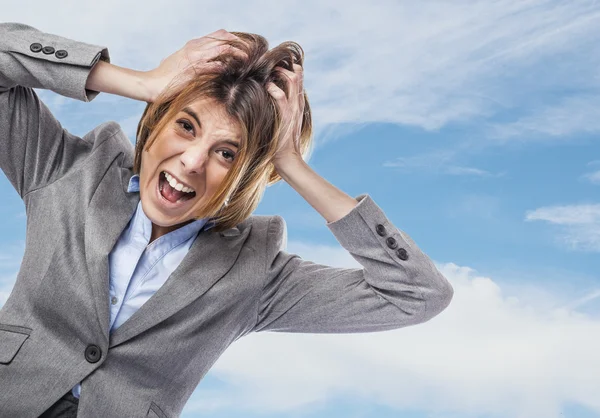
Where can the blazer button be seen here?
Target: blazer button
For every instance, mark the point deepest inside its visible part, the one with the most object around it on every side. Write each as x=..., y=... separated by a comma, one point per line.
x=35, y=47
x=93, y=353
x=48, y=50
x=380, y=230
x=61, y=53
x=391, y=242
x=401, y=252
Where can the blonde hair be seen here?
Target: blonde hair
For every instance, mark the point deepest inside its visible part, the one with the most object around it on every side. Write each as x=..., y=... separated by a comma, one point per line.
x=240, y=86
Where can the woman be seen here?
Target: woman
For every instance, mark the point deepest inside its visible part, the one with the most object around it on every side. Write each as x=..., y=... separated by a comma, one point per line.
x=124, y=299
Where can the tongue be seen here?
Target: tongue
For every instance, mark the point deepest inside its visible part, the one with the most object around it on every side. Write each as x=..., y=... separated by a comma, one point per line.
x=171, y=194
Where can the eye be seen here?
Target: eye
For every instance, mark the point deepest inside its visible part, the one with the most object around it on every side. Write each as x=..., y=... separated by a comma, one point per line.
x=231, y=154
x=189, y=128
x=186, y=126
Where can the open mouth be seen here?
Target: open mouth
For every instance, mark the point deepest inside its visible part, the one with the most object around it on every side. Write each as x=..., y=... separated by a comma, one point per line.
x=169, y=196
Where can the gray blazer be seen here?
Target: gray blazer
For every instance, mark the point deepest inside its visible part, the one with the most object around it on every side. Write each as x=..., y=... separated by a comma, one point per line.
x=54, y=326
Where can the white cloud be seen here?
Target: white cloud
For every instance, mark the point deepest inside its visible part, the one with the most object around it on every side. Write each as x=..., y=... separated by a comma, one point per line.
x=433, y=160
x=573, y=115
x=442, y=161
x=567, y=215
x=518, y=354
x=584, y=300
x=423, y=64
x=468, y=171
x=487, y=353
x=580, y=224
x=428, y=65
x=593, y=177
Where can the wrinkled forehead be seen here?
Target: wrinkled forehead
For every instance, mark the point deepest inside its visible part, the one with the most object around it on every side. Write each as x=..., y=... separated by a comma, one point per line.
x=210, y=113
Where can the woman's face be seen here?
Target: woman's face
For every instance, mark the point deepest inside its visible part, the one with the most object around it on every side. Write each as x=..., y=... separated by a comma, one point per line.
x=193, y=147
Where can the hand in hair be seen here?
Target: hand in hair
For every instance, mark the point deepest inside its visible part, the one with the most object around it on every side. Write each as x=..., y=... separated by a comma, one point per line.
x=197, y=56
x=291, y=112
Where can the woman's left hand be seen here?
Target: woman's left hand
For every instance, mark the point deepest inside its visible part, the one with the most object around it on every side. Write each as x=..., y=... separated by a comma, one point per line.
x=292, y=111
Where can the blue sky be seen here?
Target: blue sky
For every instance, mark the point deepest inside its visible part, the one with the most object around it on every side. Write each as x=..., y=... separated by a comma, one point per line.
x=474, y=126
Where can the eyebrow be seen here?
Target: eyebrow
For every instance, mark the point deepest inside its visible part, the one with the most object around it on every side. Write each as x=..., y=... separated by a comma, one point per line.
x=195, y=116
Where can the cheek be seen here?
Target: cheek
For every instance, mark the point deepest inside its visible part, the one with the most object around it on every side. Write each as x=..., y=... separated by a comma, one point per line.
x=215, y=174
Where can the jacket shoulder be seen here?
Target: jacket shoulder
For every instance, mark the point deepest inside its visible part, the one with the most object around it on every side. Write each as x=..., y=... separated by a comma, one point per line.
x=114, y=141
x=274, y=229
x=106, y=131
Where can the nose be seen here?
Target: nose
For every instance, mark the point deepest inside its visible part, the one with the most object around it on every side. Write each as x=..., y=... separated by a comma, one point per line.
x=195, y=157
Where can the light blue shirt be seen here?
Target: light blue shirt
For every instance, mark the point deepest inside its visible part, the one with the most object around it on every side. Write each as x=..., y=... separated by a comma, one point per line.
x=136, y=269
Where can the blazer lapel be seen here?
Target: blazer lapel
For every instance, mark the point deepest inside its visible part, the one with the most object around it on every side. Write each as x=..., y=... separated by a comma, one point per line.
x=107, y=215
x=211, y=255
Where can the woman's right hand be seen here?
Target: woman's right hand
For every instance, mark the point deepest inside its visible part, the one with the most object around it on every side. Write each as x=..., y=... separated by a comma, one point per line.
x=191, y=60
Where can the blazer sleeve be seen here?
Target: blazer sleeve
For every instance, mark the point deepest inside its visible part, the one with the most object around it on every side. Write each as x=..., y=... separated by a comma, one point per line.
x=397, y=286
x=36, y=150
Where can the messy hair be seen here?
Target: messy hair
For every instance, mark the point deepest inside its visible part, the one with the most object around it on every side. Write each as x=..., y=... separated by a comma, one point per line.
x=240, y=86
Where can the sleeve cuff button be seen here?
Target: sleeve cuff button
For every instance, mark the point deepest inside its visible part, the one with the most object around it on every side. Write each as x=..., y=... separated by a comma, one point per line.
x=401, y=252
x=35, y=47
x=48, y=50
x=61, y=53
x=381, y=230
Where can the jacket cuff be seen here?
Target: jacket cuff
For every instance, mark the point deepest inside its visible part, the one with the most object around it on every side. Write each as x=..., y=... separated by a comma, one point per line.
x=75, y=59
x=368, y=212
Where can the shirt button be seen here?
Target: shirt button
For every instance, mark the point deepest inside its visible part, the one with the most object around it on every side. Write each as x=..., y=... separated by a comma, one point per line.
x=114, y=300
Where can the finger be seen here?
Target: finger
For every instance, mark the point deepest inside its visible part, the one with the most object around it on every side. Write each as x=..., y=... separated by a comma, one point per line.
x=229, y=40
x=227, y=50
x=221, y=34
x=298, y=69
x=292, y=77
x=296, y=87
x=207, y=54
x=289, y=74
x=206, y=66
x=207, y=42
x=276, y=92
x=295, y=77
x=217, y=37
x=203, y=67
x=230, y=49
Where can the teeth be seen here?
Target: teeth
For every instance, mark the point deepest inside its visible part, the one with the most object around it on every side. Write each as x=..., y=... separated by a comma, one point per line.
x=176, y=185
